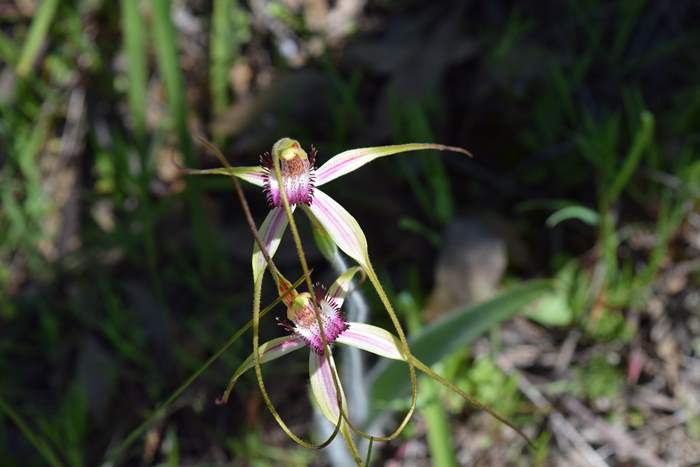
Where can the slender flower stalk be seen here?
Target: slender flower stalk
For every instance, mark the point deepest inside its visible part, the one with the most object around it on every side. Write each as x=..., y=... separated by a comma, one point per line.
x=318, y=321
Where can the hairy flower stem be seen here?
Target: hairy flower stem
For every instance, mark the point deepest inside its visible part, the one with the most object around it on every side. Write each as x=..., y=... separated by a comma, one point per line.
x=229, y=387
x=257, y=289
x=246, y=210
x=374, y=280
x=317, y=311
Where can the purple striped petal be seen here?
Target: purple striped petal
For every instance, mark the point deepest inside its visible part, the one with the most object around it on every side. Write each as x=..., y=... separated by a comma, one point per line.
x=271, y=232
x=255, y=175
x=322, y=387
x=339, y=289
x=341, y=226
x=353, y=159
x=269, y=351
x=372, y=339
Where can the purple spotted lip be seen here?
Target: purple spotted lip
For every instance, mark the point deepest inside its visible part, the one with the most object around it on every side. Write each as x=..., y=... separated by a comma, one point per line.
x=298, y=177
x=305, y=325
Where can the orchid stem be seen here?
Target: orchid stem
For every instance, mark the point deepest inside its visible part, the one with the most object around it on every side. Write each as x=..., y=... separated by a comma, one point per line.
x=317, y=312
x=374, y=280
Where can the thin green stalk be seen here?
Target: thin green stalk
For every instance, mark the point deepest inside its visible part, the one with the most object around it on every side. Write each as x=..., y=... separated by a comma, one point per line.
x=32, y=437
x=37, y=32
x=473, y=402
x=137, y=76
x=246, y=210
x=136, y=70
x=167, y=58
x=317, y=311
x=642, y=140
x=368, y=456
x=438, y=426
x=347, y=436
x=222, y=52
x=160, y=411
x=374, y=280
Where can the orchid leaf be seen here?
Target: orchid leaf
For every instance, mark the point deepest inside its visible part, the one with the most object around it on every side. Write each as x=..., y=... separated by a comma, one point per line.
x=349, y=161
x=451, y=333
x=324, y=242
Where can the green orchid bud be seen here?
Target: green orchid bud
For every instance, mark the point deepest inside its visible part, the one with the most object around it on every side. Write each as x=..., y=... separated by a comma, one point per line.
x=325, y=243
x=287, y=149
x=301, y=302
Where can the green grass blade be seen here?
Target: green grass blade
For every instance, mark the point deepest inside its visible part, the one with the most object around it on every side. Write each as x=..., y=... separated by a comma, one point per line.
x=168, y=64
x=223, y=49
x=438, y=430
x=582, y=213
x=37, y=33
x=439, y=435
x=137, y=72
x=32, y=437
x=453, y=332
x=642, y=140
x=368, y=456
x=161, y=410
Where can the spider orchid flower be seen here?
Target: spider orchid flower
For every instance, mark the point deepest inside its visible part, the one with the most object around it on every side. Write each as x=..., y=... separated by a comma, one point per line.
x=301, y=181
x=304, y=332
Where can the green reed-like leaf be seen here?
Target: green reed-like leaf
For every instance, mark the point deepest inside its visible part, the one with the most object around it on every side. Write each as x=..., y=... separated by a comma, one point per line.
x=32, y=437
x=642, y=140
x=452, y=332
x=37, y=33
x=223, y=50
x=137, y=73
x=167, y=57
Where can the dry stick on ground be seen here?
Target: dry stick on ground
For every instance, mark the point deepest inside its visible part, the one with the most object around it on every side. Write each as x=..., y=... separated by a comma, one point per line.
x=566, y=352
x=565, y=432
x=622, y=442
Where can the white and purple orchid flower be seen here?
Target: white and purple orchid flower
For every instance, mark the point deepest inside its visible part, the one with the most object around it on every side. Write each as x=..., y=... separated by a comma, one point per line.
x=301, y=180
x=305, y=332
